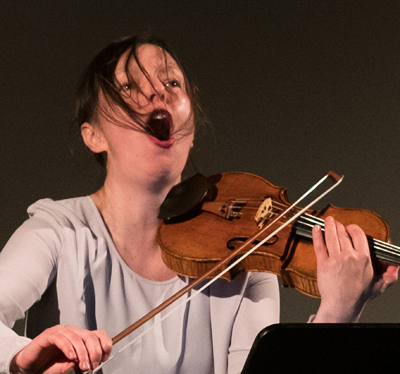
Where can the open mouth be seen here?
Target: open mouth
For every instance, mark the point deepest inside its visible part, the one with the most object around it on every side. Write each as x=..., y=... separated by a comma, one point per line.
x=160, y=125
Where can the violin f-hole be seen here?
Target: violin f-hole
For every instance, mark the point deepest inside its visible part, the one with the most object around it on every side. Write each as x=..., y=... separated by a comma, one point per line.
x=234, y=243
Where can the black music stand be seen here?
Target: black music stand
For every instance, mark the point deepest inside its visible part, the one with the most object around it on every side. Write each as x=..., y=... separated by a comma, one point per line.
x=325, y=348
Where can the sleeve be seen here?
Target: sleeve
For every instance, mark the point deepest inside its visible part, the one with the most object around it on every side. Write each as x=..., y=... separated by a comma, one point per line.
x=27, y=267
x=259, y=307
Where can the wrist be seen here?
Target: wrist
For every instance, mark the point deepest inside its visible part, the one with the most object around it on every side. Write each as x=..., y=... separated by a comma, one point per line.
x=334, y=315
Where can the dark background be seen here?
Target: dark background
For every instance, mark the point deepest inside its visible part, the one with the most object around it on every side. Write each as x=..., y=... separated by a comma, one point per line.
x=292, y=90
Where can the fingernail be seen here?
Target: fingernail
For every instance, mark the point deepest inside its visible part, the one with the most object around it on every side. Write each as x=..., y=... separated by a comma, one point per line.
x=72, y=355
x=95, y=364
x=85, y=365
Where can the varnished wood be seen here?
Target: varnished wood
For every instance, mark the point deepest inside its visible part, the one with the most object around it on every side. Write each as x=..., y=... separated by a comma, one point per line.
x=192, y=247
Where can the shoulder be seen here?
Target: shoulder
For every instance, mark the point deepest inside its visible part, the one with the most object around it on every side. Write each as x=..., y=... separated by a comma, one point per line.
x=49, y=221
x=74, y=211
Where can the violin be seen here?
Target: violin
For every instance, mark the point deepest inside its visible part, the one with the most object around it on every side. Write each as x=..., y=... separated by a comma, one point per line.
x=205, y=219
x=207, y=223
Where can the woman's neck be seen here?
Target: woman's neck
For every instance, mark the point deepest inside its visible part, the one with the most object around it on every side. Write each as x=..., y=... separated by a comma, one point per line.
x=130, y=215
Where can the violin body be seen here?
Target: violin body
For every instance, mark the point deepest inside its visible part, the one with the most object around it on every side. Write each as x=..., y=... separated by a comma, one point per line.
x=195, y=242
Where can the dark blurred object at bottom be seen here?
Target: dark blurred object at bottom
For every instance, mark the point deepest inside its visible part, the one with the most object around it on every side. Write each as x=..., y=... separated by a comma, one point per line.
x=325, y=348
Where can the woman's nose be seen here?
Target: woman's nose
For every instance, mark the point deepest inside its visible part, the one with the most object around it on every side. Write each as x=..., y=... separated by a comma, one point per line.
x=155, y=91
x=157, y=96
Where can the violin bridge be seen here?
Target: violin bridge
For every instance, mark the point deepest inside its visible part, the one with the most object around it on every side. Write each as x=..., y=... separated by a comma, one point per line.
x=264, y=212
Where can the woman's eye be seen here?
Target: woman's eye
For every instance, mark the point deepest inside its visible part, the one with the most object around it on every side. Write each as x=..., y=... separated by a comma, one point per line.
x=173, y=83
x=125, y=89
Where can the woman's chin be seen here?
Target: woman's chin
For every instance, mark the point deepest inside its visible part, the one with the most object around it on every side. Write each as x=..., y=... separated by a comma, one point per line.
x=164, y=177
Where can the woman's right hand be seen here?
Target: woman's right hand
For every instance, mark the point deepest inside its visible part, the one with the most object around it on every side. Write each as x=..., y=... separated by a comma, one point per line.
x=59, y=348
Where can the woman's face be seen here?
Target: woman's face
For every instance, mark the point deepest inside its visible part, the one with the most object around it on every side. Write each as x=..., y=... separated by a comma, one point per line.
x=160, y=96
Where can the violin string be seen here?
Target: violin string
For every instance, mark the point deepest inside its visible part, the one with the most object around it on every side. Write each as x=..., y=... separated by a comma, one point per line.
x=384, y=246
x=310, y=221
x=234, y=263
x=387, y=248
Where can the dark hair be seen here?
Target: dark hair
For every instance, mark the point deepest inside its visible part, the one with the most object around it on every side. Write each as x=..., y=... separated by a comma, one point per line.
x=99, y=79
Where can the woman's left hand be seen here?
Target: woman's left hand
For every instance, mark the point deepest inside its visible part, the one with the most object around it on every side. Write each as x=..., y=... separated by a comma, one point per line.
x=346, y=279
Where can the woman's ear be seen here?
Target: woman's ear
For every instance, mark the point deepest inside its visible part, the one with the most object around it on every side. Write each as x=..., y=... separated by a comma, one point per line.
x=93, y=138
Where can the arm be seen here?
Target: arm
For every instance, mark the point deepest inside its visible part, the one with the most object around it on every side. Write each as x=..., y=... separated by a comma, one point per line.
x=28, y=264
x=346, y=278
x=25, y=271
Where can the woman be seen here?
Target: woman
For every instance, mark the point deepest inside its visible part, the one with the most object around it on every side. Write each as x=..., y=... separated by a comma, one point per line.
x=137, y=111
